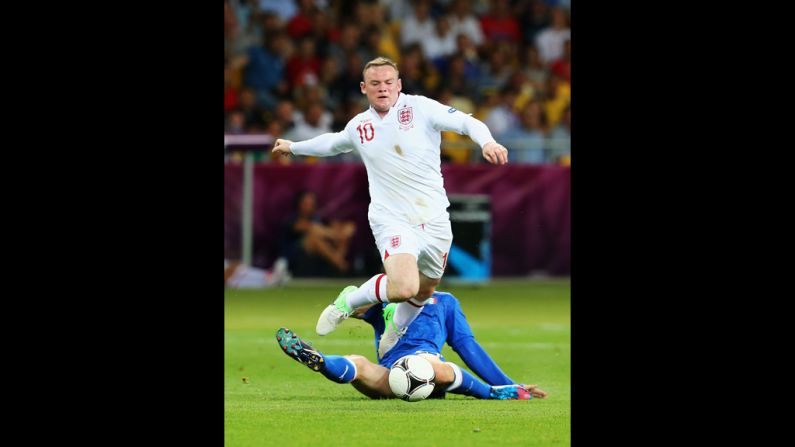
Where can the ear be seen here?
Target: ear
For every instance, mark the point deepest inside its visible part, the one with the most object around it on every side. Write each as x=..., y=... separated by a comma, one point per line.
x=399, y=85
x=361, y=86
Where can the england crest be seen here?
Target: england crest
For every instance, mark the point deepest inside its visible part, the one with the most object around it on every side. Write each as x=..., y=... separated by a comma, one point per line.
x=395, y=241
x=405, y=116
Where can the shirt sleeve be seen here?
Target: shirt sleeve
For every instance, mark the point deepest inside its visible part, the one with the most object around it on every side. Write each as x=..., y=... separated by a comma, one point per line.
x=461, y=339
x=444, y=117
x=324, y=145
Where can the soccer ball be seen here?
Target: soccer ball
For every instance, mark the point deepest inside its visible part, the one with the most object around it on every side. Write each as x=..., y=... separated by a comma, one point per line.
x=412, y=378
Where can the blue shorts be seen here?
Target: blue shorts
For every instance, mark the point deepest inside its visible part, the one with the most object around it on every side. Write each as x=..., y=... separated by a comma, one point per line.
x=396, y=354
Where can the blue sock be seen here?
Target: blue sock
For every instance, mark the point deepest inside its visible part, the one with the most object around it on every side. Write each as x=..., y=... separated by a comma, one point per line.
x=468, y=384
x=338, y=369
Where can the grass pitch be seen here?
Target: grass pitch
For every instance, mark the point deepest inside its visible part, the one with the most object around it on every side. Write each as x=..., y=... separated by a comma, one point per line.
x=269, y=399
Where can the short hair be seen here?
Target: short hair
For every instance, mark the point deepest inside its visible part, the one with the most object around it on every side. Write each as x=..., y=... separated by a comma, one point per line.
x=380, y=61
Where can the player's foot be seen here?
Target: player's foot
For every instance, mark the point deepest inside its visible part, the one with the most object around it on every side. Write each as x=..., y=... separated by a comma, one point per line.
x=299, y=350
x=335, y=313
x=509, y=392
x=391, y=334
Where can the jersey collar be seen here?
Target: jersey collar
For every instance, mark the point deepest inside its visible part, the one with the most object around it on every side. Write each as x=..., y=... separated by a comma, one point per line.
x=400, y=97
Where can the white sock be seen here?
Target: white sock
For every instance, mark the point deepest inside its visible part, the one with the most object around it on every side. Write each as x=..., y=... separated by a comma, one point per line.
x=458, y=377
x=371, y=292
x=407, y=311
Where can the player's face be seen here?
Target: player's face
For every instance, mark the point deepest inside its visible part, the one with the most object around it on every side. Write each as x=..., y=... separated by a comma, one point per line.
x=381, y=85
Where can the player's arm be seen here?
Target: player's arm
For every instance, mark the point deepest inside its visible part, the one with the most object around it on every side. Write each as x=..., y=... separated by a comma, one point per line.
x=443, y=117
x=321, y=146
x=461, y=339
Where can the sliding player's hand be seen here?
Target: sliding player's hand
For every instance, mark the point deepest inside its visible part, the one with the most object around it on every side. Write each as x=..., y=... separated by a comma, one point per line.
x=282, y=147
x=495, y=153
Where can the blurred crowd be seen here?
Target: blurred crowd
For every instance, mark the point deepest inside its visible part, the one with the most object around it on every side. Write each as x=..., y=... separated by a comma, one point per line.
x=292, y=68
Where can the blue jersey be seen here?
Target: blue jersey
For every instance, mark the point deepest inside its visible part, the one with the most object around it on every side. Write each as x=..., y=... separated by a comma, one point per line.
x=441, y=321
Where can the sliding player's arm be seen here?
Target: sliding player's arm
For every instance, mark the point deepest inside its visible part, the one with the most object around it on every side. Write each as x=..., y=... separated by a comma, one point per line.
x=461, y=339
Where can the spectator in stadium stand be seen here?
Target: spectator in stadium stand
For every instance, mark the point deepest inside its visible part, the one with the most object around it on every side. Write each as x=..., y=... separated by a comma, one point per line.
x=285, y=10
x=264, y=68
x=460, y=76
x=300, y=25
x=534, y=17
x=235, y=122
x=303, y=67
x=560, y=139
x=526, y=141
x=412, y=70
x=312, y=124
x=557, y=97
x=231, y=92
x=441, y=43
x=550, y=40
x=286, y=114
x=496, y=70
x=254, y=114
x=562, y=66
x=499, y=25
x=462, y=21
x=418, y=26
x=343, y=86
x=502, y=117
x=345, y=46
x=534, y=69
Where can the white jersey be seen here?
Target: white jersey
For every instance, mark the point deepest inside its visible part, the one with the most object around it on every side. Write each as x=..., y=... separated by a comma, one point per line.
x=401, y=152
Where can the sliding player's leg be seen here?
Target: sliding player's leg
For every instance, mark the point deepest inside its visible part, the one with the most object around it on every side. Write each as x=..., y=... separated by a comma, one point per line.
x=371, y=380
x=460, y=381
x=368, y=378
x=334, y=367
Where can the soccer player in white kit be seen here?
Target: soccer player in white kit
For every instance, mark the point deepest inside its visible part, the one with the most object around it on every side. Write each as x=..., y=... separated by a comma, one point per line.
x=398, y=138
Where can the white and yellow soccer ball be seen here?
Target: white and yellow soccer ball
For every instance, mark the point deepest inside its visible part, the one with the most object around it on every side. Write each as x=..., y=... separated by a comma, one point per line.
x=412, y=378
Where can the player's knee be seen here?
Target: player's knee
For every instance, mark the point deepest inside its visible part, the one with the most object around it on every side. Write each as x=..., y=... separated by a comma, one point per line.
x=444, y=373
x=357, y=360
x=404, y=292
x=401, y=288
x=360, y=362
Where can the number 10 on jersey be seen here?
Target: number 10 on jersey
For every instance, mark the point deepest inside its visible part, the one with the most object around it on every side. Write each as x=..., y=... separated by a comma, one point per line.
x=367, y=132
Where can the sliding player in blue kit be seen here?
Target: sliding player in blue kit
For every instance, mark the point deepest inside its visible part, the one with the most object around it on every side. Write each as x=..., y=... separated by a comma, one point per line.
x=441, y=321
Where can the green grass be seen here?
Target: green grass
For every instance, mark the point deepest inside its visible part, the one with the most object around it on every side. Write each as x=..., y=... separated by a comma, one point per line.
x=524, y=325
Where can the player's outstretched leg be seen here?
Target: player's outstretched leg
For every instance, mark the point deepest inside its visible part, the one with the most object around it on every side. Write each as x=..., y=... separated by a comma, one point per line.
x=467, y=384
x=335, y=313
x=334, y=367
x=299, y=350
x=509, y=392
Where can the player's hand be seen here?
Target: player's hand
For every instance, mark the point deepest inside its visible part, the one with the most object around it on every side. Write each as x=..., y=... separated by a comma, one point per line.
x=282, y=147
x=535, y=391
x=495, y=153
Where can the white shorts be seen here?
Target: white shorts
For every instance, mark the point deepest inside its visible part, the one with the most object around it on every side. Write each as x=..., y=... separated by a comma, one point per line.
x=429, y=242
